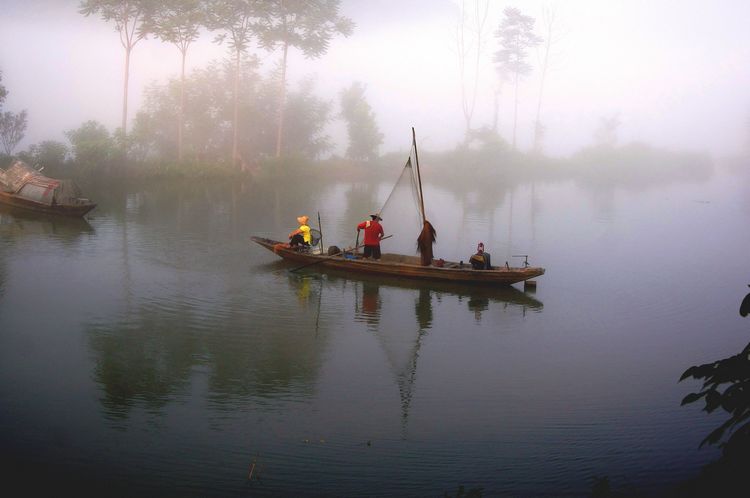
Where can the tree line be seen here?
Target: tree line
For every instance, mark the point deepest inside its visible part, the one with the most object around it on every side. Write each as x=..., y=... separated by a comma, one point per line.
x=228, y=111
x=273, y=25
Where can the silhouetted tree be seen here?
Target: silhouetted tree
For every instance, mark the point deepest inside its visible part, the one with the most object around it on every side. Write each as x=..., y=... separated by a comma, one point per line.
x=308, y=25
x=240, y=21
x=132, y=20
x=516, y=37
x=179, y=22
x=12, y=129
x=726, y=386
x=364, y=136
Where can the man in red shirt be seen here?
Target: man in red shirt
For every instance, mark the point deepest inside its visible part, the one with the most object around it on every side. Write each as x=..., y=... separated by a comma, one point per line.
x=373, y=234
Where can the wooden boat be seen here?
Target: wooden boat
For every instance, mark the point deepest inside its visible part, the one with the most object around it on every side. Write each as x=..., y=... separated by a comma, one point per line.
x=24, y=187
x=404, y=266
x=399, y=265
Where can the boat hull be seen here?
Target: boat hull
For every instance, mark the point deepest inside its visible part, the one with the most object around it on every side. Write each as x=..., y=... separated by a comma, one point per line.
x=76, y=210
x=451, y=272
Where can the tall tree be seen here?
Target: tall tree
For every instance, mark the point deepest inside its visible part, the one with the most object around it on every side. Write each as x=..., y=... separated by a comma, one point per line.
x=179, y=22
x=132, y=20
x=239, y=21
x=470, y=42
x=364, y=136
x=548, y=19
x=12, y=129
x=516, y=35
x=308, y=25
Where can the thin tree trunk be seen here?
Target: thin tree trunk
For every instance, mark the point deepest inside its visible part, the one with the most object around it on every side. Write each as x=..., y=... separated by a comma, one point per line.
x=282, y=101
x=235, y=149
x=462, y=70
x=537, y=123
x=125, y=91
x=496, y=113
x=515, y=111
x=479, y=31
x=181, y=112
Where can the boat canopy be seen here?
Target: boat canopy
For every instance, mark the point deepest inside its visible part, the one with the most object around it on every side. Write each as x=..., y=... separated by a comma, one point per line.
x=24, y=181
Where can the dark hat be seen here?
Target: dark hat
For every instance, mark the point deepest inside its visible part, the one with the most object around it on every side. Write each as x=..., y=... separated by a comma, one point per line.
x=376, y=217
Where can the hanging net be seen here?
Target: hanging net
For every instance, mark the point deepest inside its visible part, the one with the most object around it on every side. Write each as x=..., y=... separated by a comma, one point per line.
x=402, y=210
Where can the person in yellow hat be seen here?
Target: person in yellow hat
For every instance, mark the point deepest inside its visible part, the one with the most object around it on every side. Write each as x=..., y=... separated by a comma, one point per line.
x=301, y=236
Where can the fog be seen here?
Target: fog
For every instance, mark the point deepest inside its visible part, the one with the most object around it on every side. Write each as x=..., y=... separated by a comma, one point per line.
x=675, y=73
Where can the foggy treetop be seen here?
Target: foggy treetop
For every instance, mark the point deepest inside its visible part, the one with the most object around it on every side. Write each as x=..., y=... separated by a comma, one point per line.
x=674, y=73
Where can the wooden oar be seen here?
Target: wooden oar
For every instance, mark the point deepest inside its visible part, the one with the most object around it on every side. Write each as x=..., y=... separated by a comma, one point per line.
x=335, y=254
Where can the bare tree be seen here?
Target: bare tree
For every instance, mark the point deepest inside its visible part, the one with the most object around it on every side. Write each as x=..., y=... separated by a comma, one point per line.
x=551, y=36
x=132, y=20
x=12, y=129
x=470, y=41
x=516, y=34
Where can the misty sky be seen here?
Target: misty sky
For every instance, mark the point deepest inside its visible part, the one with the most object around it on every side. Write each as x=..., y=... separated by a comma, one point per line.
x=677, y=72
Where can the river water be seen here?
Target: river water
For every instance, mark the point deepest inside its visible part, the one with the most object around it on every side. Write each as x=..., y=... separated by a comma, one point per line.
x=154, y=350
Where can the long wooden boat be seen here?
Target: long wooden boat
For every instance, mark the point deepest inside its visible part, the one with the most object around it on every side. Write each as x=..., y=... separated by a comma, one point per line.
x=401, y=266
x=24, y=187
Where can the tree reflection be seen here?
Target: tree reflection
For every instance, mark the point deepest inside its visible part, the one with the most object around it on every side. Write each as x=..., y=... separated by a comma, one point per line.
x=726, y=386
x=144, y=358
x=152, y=353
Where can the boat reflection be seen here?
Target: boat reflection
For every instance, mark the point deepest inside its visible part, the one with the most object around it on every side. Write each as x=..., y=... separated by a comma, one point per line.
x=477, y=298
x=17, y=223
x=246, y=346
x=400, y=314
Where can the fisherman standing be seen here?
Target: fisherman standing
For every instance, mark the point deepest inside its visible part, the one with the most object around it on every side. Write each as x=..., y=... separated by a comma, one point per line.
x=373, y=234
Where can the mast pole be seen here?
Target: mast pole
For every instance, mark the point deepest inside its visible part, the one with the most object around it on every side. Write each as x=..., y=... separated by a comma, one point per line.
x=320, y=229
x=419, y=177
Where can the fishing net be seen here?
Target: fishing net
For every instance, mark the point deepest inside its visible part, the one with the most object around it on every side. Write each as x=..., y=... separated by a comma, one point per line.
x=401, y=211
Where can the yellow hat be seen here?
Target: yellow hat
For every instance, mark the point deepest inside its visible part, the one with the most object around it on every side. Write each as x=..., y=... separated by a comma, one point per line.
x=302, y=220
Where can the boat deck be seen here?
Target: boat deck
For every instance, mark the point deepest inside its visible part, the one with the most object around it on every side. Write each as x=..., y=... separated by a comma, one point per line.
x=401, y=265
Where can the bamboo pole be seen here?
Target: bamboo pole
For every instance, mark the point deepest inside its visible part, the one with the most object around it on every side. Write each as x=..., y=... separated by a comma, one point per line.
x=419, y=177
x=320, y=229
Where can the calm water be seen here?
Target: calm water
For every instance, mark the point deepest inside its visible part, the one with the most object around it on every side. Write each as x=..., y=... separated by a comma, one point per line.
x=154, y=350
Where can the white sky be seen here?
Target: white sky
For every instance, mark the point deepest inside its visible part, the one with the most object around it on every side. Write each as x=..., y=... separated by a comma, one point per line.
x=677, y=72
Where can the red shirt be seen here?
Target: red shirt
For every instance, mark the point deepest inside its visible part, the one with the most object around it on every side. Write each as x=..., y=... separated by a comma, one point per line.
x=373, y=232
